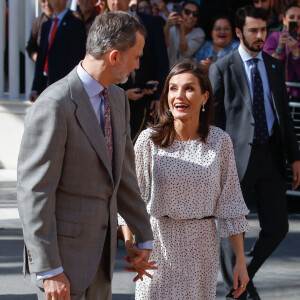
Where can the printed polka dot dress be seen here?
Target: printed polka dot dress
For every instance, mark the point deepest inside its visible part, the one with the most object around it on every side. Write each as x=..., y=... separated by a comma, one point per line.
x=181, y=185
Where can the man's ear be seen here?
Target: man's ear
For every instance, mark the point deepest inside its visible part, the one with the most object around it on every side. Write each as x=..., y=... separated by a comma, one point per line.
x=114, y=56
x=239, y=33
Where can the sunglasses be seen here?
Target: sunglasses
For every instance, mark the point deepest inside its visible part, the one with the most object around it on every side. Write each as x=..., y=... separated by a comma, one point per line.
x=188, y=12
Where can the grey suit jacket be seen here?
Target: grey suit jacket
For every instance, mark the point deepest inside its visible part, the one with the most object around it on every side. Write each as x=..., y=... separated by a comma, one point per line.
x=68, y=193
x=233, y=108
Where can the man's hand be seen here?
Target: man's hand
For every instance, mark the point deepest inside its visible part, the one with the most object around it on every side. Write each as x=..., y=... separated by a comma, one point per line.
x=57, y=287
x=139, y=259
x=296, y=174
x=33, y=96
x=154, y=107
x=134, y=94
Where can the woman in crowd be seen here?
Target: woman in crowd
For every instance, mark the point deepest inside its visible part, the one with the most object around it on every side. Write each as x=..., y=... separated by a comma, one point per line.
x=35, y=35
x=187, y=176
x=285, y=45
x=144, y=6
x=222, y=43
x=182, y=37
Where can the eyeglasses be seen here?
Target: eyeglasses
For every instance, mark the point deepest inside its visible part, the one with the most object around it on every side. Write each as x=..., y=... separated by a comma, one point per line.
x=188, y=12
x=221, y=28
x=144, y=8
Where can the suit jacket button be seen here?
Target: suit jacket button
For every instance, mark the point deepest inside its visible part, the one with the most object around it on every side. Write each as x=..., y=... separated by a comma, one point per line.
x=110, y=181
x=104, y=227
x=252, y=124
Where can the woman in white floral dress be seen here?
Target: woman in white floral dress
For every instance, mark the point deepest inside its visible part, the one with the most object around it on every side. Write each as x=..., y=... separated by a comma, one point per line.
x=187, y=176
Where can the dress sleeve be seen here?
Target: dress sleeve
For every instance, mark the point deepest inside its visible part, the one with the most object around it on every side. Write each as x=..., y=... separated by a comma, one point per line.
x=142, y=151
x=231, y=207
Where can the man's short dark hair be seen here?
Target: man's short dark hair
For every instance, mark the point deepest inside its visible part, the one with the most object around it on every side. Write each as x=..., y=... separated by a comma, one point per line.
x=113, y=30
x=248, y=11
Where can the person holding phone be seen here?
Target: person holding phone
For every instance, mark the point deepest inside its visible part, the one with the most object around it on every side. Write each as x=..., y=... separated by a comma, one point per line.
x=285, y=45
x=183, y=39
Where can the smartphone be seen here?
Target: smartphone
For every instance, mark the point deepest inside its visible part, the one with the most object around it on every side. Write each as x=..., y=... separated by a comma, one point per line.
x=293, y=29
x=177, y=8
x=139, y=92
x=150, y=86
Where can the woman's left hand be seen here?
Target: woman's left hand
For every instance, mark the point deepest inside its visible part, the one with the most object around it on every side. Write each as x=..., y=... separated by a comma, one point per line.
x=240, y=278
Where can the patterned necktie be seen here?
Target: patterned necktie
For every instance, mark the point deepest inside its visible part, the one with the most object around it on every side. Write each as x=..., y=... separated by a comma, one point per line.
x=52, y=34
x=107, y=125
x=259, y=113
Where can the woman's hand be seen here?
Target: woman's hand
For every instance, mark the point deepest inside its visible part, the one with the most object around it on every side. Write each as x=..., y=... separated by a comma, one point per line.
x=283, y=39
x=139, y=259
x=292, y=44
x=240, y=278
x=134, y=94
x=173, y=19
x=206, y=64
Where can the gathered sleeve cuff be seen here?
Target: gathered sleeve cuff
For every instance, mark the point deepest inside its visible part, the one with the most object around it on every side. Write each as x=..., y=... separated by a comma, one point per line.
x=233, y=226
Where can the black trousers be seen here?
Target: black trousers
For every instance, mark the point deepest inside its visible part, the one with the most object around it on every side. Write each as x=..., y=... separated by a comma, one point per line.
x=265, y=183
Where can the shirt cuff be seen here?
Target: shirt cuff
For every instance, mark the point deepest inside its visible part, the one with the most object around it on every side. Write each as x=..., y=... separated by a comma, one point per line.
x=146, y=245
x=49, y=274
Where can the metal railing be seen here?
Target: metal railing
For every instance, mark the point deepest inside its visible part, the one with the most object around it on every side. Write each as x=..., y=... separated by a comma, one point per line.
x=295, y=113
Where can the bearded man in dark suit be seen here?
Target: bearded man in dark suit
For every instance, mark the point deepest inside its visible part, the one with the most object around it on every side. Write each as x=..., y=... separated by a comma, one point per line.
x=251, y=105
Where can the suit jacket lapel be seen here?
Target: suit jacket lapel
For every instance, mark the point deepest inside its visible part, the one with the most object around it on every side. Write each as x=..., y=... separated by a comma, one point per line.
x=239, y=76
x=118, y=132
x=87, y=119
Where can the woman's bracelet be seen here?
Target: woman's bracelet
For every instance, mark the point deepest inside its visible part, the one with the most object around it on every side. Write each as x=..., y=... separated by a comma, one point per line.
x=278, y=50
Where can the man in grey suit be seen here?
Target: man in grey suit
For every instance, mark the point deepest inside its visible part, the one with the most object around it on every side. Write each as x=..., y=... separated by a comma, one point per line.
x=251, y=105
x=76, y=170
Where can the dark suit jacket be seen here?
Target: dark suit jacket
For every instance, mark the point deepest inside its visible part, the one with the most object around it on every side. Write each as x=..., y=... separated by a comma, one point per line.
x=67, y=49
x=233, y=107
x=154, y=65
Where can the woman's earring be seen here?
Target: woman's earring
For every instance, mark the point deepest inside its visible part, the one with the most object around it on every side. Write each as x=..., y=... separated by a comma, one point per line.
x=203, y=108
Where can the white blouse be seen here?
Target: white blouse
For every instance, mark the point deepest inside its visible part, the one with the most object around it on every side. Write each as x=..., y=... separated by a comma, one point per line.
x=192, y=180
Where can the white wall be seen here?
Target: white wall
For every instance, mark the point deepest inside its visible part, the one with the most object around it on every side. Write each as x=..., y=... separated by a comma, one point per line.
x=12, y=114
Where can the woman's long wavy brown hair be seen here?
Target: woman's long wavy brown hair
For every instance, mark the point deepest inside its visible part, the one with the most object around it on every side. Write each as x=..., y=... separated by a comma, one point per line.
x=164, y=132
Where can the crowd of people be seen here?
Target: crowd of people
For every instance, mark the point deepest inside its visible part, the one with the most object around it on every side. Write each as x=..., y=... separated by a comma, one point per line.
x=218, y=138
